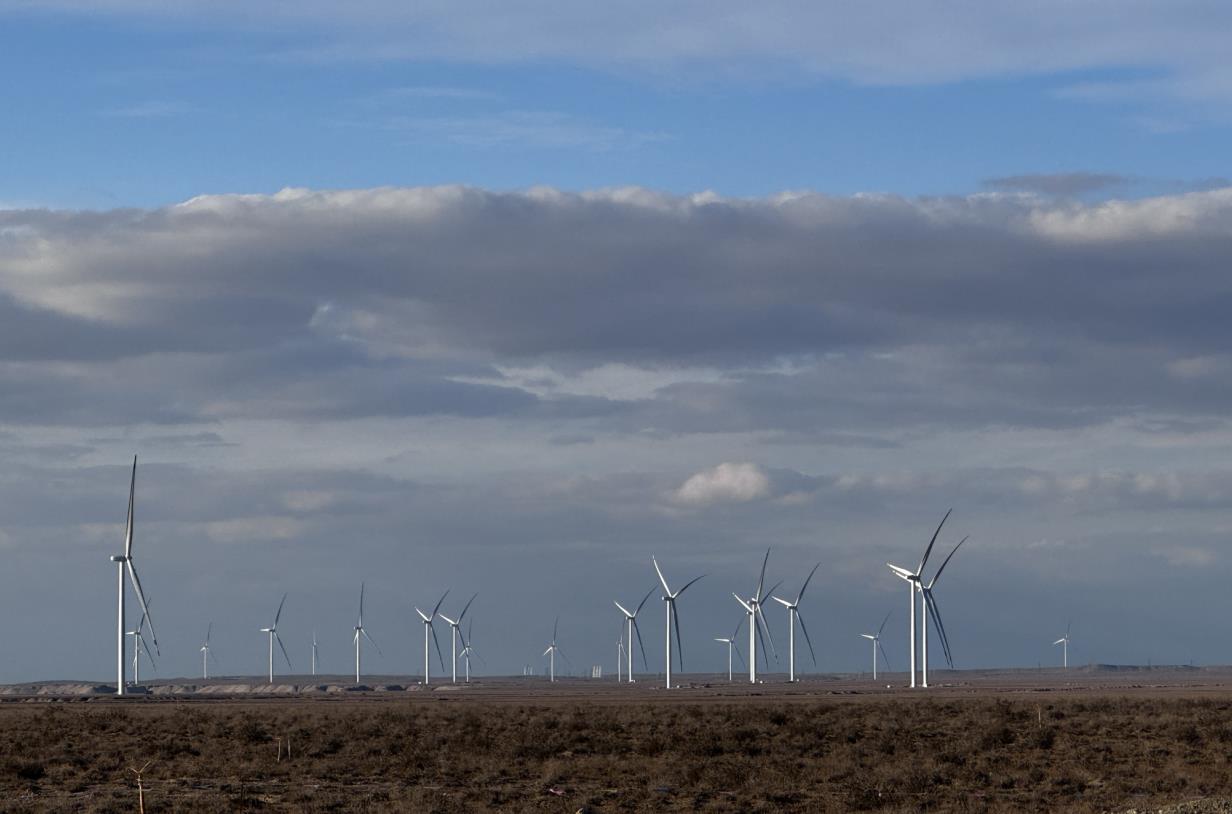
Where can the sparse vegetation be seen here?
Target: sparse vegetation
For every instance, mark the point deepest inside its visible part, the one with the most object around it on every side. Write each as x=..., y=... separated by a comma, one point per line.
x=750, y=754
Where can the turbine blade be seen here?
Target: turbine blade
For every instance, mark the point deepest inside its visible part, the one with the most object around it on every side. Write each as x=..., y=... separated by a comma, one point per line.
x=439, y=601
x=884, y=657
x=209, y=630
x=447, y=620
x=771, y=591
x=739, y=625
x=687, y=584
x=549, y=650
x=283, y=648
x=1058, y=641
x=439, y=657
x=902, y=572
x=361, y=604
x=278, y=615
x=679, y=644
x=782, y=602
x=371, y=642
x=937, y=575
x=568, y=663
x=663, y=580
x=935, y=614
x=1067, y=625
x=761, y=617
x=804, y=629
x=145, y=608
x=622, y=609
x=747, y=607
x=423, y=615
x=638, y=631
x=883, y=624
x=804, y=587
x=467, y=607
x=765, y=659
x=643, y=602
x=128, y=525
x=555, y=627
x=931, y=542
x=868, y=636
x=761, y=580
x=736, y=646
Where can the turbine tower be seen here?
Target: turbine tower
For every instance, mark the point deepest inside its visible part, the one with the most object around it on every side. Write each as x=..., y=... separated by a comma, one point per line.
x=359, y=633
x=670, y=599
x=633, y=629
x=206, y=655
x=553, y=650
x=757, y=621
x=933, y=612
x=430, y=631
x=913, y=583
x=272, y=631
x=731, y=645
x=125, y=562
x=1064, y=642
x=875, y=638
x=139, y=645
x=314, y=652
x=793, y=613
x=454, y=635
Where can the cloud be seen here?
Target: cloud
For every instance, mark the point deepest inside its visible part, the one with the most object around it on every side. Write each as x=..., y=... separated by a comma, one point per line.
x=725, y=483
x=1061, y=184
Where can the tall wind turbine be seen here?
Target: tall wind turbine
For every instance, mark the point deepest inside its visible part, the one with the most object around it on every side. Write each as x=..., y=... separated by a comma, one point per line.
x=1064, y=642
x=913, y=584
x=206, y=655
x=793, y=613
x=272, y=630
x=757, y=621
x=139, y=645
x=125, y=561
x=553, y=650
x=875, y=638
x=454, y=634
x=670, y=598
x=633, y=629
x=430, y=631
x=934, y=613
x=360, y=633
x=731, y=645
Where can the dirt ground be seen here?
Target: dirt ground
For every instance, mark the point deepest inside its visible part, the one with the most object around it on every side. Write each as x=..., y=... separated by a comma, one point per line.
x=1085, y=740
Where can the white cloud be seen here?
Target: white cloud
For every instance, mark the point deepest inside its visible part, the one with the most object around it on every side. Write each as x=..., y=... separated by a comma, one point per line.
x=725, y=483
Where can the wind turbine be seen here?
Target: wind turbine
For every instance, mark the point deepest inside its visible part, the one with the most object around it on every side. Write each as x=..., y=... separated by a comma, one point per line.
x=454, y=634
x=314, y=652
x=933, y=612
x=468, y=648
x=125, y=561
x=631, y=625
x=670, y=599
x=138, y=646
x=793, y=613
x=431, y=631
x=272, y=630
x=731, y=645
x=620, y=656
x=913, y=583
x=1064, y=642
x=757, y=621
x=553, y=650
x=206, y=655
x=359, y=633
x=875, y=638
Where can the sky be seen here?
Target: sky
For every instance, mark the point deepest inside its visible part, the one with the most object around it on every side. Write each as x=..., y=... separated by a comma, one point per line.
x=507, y=298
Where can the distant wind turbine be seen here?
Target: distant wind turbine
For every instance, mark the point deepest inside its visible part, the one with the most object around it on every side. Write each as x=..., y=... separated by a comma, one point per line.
x=633, y=629
x=552, y=650
x=1064, y=642
x=206, y=655
x=875, y=638
x=454, y=633
x=360, y=633
x=468, y=648
x=670, y=598
x=913, y=583
x=430, y=631
x=757, y=621
x=314, y=652
x=731, y=645
x=272, y=631
x=125, y=561
x=139, y=645
x=793, y=614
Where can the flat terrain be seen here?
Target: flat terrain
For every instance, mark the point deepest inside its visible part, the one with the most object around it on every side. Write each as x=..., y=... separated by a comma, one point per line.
x=1087, y=740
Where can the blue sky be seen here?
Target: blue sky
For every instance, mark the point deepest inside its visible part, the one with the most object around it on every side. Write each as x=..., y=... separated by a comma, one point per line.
x=521, y=293
x=136, y=110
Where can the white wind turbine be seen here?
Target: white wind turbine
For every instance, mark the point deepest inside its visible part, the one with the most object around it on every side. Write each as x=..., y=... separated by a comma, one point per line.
x=670, y=599
x=553, y=650
x=359, y=633
x=430, y=631
x=1064, y=642
x=125, y=561
x=272, y=631
x=206, y=655
x=793, y=614
x=314, y=652
x=731, y=645
x=633, y=629
x=933, y=612
x=139, y=645
x=454, y=634
x=757, y=621
x=468, y=648
x=913, y=583
x=620, y=656
x=875, y=638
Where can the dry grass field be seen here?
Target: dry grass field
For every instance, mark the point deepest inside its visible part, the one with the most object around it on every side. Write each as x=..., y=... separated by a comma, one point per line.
x=1103, y=750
